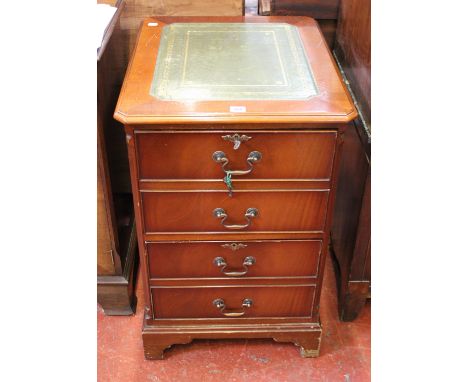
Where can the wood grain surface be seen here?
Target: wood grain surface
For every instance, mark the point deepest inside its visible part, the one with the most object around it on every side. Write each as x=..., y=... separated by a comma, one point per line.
x=177, y=185
x=196, y=302
x=273, y=258
x=353, y=49
x=188, y=155
x=193, y=211
x=351, y=230
x=137, y=106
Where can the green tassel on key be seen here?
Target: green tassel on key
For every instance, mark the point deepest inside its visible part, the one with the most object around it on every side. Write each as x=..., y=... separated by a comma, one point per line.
x=227, y=180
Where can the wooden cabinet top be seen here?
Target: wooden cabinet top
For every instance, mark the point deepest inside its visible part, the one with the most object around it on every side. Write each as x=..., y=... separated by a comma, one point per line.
x=232, y=70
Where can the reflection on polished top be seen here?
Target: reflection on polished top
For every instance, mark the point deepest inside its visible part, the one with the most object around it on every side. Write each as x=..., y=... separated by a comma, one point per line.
x=248, y=70
x=232, y=61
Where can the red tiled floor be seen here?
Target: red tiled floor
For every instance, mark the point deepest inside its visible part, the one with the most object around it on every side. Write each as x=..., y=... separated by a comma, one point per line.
x=344, y=354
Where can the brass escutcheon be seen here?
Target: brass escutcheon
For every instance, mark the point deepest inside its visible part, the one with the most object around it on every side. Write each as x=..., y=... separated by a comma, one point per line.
x=236, y=139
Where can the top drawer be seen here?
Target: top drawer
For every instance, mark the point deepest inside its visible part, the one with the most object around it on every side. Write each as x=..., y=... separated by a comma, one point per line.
x=189, y=155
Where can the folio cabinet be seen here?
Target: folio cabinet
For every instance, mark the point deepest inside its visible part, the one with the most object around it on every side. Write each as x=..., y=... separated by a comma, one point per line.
x=233, y=175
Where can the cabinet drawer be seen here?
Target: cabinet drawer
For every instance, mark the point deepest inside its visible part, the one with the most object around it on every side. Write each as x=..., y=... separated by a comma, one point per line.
x=189, y=155
x=300, y=210
x=194, y=302
x=269, y=258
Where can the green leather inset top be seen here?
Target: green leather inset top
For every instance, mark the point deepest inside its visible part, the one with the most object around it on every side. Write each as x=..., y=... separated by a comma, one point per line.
x=232, y=61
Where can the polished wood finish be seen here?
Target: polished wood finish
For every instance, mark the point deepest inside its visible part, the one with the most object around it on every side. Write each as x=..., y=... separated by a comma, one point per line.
x=353, y=50
x=116, y=236
x=268, y=301
x=351, y=232
x=155, y=341
x=239, y=184
x=176, y=185
x=231, y=281
x=137, y=106
x=293, y=155
x=273, y=258
x=351, y=227
x=328, y=28
x=193, y=211
x=138, y=10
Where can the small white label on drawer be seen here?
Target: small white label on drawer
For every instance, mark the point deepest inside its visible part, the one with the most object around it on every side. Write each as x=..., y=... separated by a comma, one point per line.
x=237, y=109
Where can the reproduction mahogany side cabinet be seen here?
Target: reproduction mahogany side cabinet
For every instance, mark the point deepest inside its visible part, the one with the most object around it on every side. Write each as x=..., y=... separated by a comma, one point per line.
x=234, y=128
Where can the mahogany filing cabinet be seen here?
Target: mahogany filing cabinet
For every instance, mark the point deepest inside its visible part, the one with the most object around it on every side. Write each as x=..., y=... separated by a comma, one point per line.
x=234, y=129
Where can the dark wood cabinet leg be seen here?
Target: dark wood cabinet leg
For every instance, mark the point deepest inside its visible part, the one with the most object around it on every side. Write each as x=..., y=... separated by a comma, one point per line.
x=352, y=295
x=115, y=297
x=353, y=300
x=116, y=294
x=155, y=351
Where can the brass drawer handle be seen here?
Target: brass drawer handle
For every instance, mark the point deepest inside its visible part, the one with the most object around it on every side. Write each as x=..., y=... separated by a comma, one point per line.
x=249, y=214
x=220, y=262
x=219, y=303
x=236, y=139
x=253, y=157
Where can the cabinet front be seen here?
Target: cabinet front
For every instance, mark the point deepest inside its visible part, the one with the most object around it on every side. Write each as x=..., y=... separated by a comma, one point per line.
x=234, y=259
x=233, y=301
x=251, y=211
x=249, y=155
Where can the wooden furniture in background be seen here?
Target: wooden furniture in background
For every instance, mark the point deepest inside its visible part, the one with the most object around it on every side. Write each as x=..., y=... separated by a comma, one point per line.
x=351, y=232
x=324, y=11
x=116, y=236
x=115, y=282
x=353, y=50
x=137, y=10
x=247, y=263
